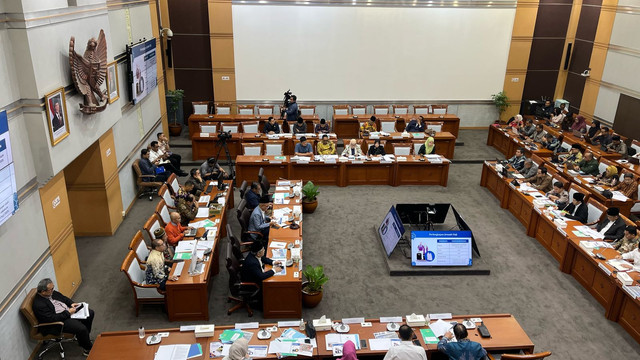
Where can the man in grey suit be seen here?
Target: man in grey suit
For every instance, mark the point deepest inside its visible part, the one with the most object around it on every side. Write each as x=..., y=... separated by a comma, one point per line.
x=259, y=221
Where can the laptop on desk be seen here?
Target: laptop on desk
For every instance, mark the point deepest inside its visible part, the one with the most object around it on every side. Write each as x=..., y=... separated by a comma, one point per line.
x=577, y=134
x=191, y=232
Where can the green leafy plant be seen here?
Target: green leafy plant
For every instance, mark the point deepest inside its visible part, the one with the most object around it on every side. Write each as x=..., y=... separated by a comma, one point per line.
x=175, y=98
x=501, y=101
x=315, y=277
x=309, y=191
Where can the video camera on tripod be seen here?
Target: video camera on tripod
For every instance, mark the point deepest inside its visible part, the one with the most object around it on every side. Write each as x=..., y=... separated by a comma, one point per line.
x=285, y=103
x=224, y=135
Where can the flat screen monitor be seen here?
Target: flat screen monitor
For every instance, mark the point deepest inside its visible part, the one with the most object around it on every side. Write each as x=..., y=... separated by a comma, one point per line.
x=462, y=225
x=391, y=231
x=143, y=73
x=441, y=248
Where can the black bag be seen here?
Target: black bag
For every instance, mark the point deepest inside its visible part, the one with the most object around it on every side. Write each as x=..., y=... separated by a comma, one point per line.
x=310, y=329
x=607, y=194
x=631, y=151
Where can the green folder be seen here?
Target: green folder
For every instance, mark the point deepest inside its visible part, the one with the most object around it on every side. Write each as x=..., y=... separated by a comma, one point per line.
x=182, y=256
x=229, y=336
x=428, y=336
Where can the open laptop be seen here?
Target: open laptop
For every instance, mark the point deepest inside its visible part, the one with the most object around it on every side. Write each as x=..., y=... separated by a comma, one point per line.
x=577, y=134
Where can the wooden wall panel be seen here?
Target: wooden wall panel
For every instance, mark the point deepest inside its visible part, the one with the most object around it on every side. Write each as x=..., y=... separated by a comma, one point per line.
x=519, y=54
x=626, y=122
x=55, y=206
x=225, y=90
x=66, y=265
x=196, y=82
x=222, y=51
x=221, y=22
x=222, y=55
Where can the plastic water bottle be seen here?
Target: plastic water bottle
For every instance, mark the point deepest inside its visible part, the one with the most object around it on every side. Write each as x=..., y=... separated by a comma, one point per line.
x=141, y=332
x=301, y=327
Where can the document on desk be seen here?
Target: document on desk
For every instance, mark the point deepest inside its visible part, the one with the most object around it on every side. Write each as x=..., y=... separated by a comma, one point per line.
x=278, y=244
x=339, y=339
x=278, y=346
x=589, y=232
x=440, y=327
x=205, y=244
x=185, y=246
x=218, y=349
x=83, y=313
x=204, y=199
x=258, y=351
x=203, y=212
x=383, y=344
x=282, y=188
x=617, y=195
x=279, y=254
x=172, y=352
x=620, y=265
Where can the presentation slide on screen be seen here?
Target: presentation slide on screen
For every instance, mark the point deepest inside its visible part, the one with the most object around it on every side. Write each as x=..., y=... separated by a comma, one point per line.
x=8, y=188
x=441, y=248
x=391, y=230
x=145, y=72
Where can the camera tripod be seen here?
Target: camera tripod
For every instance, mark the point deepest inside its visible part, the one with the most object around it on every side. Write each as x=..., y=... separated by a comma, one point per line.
x=221, y=143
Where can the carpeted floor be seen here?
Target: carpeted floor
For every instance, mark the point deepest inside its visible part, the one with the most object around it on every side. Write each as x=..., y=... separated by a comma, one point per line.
x=553, y=308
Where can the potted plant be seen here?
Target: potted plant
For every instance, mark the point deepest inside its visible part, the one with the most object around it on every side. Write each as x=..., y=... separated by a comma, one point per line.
x=174, y=102
x=312, y=288
x=501, y=101
x=309, y=194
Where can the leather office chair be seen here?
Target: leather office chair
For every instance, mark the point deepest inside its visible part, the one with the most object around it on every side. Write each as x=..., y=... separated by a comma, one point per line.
x=358, y=109
x=273, y=147
x=174, y=185
x=388, y=126
x=142, y=293
x=307, y=110
x=151, y=225
x=421, y=109
x=536, y=356
x=47, y=342
x=243, y=219
x=223, y=109
x=208, y=127
x=434, y=125
x=243, y=188
x=166, y=196
x=401, y=149
x=400, y=109
x=238, y=248
x=245, y=109
x=201, y=107
x=146, y=185
x=250, y=126
x=340, y=109
x=242, y=293
x=234, y=127
x=265, y=110
x=139, y=247
x=381, y=109
x=264, y=184
x=439, y=109
x=252, y=149
x=163, y=213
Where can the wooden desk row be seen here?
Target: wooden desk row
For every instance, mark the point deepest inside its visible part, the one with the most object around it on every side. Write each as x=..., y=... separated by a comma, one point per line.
x=564, y=245
x=196, y=119
x=204, y=147
x=348, y=126
x=188, y=297
x=506, y=336
x=360, y=172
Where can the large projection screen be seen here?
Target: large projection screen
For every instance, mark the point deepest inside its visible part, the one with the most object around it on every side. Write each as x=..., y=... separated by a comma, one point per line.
x=361, y=53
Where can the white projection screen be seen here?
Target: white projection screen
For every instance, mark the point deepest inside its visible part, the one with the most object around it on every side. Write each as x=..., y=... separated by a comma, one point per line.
x=368, y=53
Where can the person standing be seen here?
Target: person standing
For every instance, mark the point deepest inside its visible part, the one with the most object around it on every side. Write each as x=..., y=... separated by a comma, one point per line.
x=292, y=109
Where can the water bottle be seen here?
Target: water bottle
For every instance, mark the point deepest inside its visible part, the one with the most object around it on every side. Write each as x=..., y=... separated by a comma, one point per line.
x=301, y=327
x=141, y=332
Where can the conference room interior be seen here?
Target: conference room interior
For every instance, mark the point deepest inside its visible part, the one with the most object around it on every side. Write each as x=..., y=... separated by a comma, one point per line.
x=79, y=203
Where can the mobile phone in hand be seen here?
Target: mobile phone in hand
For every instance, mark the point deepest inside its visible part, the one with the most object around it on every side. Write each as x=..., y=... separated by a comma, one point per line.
x=79, y=307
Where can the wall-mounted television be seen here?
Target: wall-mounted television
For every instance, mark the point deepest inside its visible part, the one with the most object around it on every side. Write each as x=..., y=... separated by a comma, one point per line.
x=143, y=71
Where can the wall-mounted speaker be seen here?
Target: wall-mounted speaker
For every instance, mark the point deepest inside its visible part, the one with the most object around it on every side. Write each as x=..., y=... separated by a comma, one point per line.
x=567, y=57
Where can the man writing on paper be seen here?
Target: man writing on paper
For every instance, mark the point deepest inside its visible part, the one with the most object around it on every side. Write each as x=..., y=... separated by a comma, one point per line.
x=577, y=210
x=634, y=256
x=612, y=227
x=148, y=168
x=51, y=306
x=406, y=350
x=463, y=348
x=253, y=266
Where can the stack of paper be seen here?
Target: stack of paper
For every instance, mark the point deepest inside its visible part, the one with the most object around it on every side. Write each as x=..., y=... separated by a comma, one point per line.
x=440, y=327
x=178, y=352
x=617, y=195
x=203, y=212
x=204, y=199
x=619, y=264
x=82, y=313
x=383, y=344
x=339, y=339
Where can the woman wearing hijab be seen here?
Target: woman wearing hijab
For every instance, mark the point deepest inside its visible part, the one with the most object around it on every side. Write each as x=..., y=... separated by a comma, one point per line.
x=579, y=124
x=376, y=149
x=348, y=351
x=429, y=147
x=610, y=176
x=239, y=350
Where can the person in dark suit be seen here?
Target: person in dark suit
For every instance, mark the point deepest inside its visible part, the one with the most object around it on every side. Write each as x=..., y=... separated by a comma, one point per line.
x=51, y=306
x=58, y=120
x=253, y=267
x=253, y=196
x=612, y=227
x=577, y=210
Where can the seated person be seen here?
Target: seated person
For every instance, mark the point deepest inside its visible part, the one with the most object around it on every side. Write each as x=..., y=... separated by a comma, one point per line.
x=259, y=221
x=573, y=157
x=617, y=145
x=51, y=306
x=348, y=351
x=160, y=158
x=368, y=127
x=300, y=127
x=547, y=110
x=429, y=147
x=588, y=165
x=407, y=350
x=252, y=197
x=160, y=234
x=579, y=124
x=239, y=350
x=148, y=168
x=558, y=195
x=414, y=126
x=157, y=272
x=323, y=127
x=185, y=190
x=557, y=117
x=517, y=160
x=209, y=169
x=528, y=129
x=541, y=181
x=271, y=127
x=376, y=149
x=593, y=130
x=609, y=177
x=529, y=170
x=252, y=269
x=602, y=137
x=550, y=142
x=577, y=209
x=352, y=149
x=515, y=122
x=611, y=227
x=198, y=182
x=539, y=134
x=326, y=146
x=462, y=348
x=174, y=229
x=303, y=148
x=187, y=209
x=634, y=256
x=629, y=241
x=628, y=187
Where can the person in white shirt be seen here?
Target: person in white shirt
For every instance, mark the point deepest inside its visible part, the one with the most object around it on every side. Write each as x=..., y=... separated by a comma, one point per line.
x=352, y=149
x=159, y=158
x=406, y=350
x=634, y=256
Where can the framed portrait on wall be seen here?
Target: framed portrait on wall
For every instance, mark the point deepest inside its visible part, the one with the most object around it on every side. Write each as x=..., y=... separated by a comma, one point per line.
x=113, y=87
x=56, y=107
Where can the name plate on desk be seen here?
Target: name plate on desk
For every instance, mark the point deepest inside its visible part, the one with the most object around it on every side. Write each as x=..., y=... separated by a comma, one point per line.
x=332, y=161
x=561, y=231
x=604, y=268
x=385, y=162
x=436, y=161
x=302, y=162
x=357, y=162
x=204, y=134
x=396, y=137
x=511, y=185
x=537, y=209
x=275, y=162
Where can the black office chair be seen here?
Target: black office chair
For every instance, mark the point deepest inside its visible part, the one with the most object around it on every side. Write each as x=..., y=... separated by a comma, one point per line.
x=240, y=208
x=260, y=174
x=241, y=293
x=238, y=248
x=243, y=188
x=265, y=185
x=243, y=219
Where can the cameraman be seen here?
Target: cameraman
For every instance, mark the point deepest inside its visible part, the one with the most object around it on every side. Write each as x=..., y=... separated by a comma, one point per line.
x=292, y=109
x=209, y=169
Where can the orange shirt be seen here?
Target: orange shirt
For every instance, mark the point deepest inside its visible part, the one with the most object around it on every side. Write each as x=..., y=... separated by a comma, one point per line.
x=175, y=233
